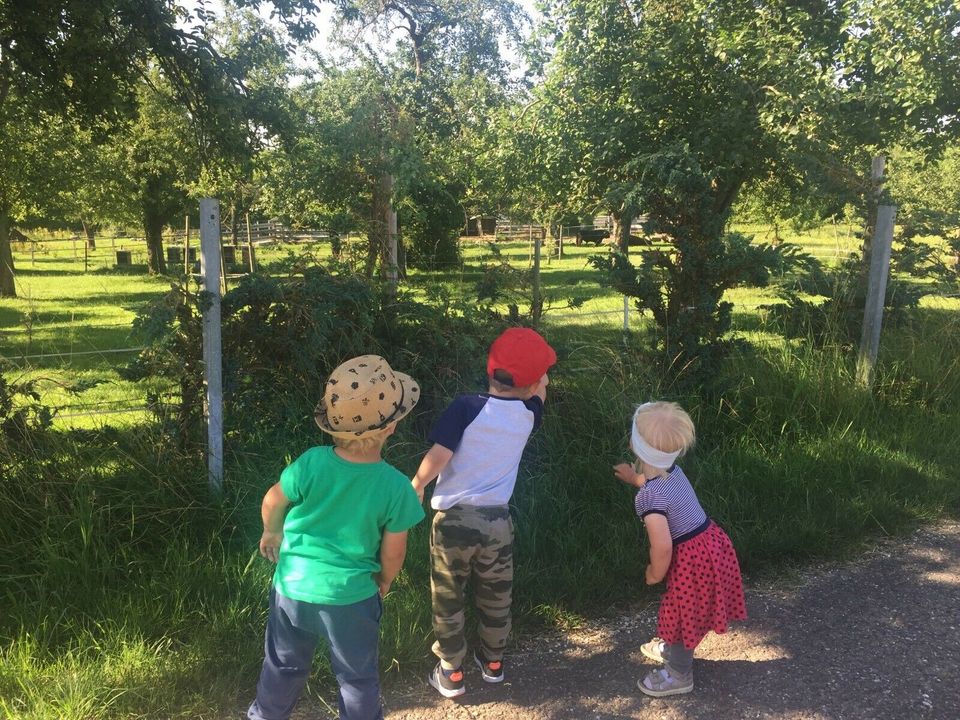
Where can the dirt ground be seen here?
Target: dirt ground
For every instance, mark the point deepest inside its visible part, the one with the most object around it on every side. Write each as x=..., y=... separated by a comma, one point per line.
x=873, y=639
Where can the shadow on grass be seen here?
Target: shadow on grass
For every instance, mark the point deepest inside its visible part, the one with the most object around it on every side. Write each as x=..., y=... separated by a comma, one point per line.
x=42, y=318
x=10, y=317
x=82, y=347
x=52, y=272
x=108, y=299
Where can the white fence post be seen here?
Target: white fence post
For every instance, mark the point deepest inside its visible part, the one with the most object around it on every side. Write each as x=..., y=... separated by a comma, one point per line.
x=212, y=350
x=876, y=292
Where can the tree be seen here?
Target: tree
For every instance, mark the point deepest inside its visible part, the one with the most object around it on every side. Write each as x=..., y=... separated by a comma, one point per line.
x=156, y=161
x=247, y=121
x=447, y=43
x=325, y=172
x=34, y=161
x=927, y=194
x=84, y=59
x=670, y=108
x=398, y=128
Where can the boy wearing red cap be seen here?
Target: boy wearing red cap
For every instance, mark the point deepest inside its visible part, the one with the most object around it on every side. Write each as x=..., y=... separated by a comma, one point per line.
x=477, y=445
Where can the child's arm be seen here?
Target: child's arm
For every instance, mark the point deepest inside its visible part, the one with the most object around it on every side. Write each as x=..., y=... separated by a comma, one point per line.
x=625, y=472
x=273, y=510
x=541, y=388
x=661, y=547
x=393, y=549
x=432, y=465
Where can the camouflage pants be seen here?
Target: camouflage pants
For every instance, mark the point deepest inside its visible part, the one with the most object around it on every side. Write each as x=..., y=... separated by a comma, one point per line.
x=471, y=543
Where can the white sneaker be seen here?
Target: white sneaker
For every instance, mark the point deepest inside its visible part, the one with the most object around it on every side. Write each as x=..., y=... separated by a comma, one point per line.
x=660, y=683
x=654, y=650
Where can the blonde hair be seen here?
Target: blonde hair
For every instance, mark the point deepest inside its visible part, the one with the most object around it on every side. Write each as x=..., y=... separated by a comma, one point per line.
x=665, y=426
x=374, y=441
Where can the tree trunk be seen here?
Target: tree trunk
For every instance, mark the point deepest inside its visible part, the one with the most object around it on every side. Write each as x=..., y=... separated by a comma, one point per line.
x=621, y=228
x=378, y=234
x=8, y=287
x=153, y=227
x=389, y=263
x=90, y=230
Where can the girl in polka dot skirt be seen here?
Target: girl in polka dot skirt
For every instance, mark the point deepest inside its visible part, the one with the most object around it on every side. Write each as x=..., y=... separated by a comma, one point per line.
x=704, y=590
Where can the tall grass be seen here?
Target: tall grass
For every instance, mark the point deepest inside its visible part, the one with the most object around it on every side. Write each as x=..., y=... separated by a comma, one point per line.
x=130, y=594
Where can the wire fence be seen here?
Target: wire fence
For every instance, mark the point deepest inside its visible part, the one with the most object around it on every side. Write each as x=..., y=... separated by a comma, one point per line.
x=119, y=249
x=68, y=355
x=528, y=236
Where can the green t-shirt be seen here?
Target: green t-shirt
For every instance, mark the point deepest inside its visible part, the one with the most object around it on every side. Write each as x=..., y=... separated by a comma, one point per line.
x=332, y=531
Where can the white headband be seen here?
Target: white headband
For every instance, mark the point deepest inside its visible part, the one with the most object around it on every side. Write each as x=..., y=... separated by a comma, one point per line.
x=650, y=455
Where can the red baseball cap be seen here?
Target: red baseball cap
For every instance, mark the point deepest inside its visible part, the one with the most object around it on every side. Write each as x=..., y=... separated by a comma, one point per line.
x=523, y=353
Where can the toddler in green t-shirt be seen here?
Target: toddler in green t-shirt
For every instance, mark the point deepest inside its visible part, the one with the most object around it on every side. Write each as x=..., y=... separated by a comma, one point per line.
x=336, y=526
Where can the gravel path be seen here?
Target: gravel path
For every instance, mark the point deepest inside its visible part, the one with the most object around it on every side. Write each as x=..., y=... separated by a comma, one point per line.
x=876, y=639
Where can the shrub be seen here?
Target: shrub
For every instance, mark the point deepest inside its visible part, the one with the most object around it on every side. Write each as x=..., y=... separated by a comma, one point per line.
x=282, y=337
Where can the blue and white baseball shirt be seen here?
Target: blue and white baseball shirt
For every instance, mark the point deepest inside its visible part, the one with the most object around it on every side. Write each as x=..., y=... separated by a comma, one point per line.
x=487, y=435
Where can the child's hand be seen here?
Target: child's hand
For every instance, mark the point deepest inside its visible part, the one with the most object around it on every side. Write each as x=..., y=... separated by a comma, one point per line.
x=383, y=586
x=650, y=577
x=417, y=489
x=625, y=472
x=270, y=545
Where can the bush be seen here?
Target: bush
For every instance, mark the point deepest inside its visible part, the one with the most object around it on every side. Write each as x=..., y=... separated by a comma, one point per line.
x=283, y=336
x=839, y=317
x=22, y=416
x=432, y=219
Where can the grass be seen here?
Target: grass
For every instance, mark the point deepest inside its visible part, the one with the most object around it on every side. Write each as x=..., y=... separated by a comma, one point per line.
x=129, y=594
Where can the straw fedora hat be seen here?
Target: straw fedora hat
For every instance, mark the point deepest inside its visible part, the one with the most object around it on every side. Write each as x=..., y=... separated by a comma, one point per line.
x=364, y=395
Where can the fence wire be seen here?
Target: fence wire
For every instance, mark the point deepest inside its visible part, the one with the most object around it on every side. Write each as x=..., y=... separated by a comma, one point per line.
x=525, y=235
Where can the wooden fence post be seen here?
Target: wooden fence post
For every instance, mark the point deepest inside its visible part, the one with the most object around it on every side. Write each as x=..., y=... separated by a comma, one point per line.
x=212, y=349
x=876, y=292
x=186, y=245
x=877, y=168
x=537, y=308
x=250, y=253
x=626, y=303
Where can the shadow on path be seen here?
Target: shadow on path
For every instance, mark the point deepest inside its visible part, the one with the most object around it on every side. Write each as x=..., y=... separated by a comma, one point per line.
x=878, y=639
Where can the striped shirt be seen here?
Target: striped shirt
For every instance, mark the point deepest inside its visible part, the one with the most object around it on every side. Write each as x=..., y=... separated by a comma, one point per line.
x=487, y=435
x=672, y=496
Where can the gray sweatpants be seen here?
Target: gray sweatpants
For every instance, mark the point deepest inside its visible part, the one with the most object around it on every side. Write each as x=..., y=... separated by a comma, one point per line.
x=678, y=659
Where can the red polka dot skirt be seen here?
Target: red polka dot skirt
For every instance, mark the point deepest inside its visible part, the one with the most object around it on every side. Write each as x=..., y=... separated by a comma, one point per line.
x=704, y=589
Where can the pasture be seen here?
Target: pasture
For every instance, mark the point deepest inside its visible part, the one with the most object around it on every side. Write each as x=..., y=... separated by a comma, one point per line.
x=70, y=329
x=132, y=594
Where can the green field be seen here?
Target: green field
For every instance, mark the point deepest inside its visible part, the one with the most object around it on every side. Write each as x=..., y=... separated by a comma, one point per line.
x=69, y=330
x=130, y=594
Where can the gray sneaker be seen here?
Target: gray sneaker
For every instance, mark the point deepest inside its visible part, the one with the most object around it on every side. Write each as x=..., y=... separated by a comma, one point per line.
x=654, y=650
x=448, y=683
x=660, y=683
x=490, y=670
